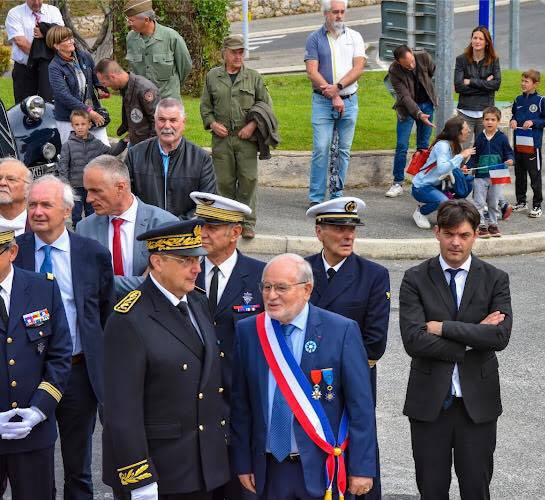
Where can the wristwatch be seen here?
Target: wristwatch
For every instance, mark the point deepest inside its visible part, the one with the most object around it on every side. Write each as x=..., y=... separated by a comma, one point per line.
x=340, y=86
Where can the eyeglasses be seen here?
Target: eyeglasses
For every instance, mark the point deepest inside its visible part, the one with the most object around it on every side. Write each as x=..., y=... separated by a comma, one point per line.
x=10, y=179
x=186, y=261
x=279, y=288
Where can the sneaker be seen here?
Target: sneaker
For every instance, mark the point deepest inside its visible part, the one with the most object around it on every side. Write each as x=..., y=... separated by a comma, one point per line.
x=493, y=231
x=519, y=207
x=483, y=232
x=421, y=220
x=394, y=191
x=506, y=211
x=535, y=212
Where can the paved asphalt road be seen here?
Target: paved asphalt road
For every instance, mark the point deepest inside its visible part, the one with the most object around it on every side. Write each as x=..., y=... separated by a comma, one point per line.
x=520, y=453
x=289, y=49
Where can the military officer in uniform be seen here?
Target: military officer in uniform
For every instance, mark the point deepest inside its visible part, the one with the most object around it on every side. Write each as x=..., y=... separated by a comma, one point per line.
x=228, y=94
x=35, y=354
x=164, y=414
x=155, y=51
x=140, y=98
x=350, y=285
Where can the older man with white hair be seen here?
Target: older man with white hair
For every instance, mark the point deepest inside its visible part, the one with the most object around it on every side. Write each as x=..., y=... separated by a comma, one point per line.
x=334, y=58
x=155, y=51
x=301, y=395
x=83, y=270
x=165, y=169
x=15, y=179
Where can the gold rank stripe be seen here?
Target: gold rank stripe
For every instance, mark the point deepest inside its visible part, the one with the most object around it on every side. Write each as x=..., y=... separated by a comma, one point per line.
x=133, y=465
x=219, y=213
x=337, y=216
x=51, y=390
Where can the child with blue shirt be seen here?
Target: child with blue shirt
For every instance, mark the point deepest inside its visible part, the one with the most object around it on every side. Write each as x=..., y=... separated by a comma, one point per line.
x=491, y=148
x=528, y=121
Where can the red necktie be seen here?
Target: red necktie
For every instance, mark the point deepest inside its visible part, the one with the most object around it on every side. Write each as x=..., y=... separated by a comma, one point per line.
x=116, y=247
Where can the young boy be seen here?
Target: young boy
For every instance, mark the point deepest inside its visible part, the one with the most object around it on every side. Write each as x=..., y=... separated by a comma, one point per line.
x=528, y=122
x=491, y=148
x=80, y=148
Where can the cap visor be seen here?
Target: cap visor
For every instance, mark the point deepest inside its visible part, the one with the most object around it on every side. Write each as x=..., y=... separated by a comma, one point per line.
x=342, y=222
x=187, y=252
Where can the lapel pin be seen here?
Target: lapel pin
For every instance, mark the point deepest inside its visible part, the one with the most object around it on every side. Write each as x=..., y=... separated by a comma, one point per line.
x=310, y=346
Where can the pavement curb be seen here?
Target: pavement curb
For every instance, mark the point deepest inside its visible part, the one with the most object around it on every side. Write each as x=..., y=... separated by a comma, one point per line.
x=396, y=249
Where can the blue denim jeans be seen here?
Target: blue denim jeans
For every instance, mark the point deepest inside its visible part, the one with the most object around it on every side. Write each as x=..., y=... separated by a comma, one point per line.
x=431, y=196
x=404, y=128
x=323, y=119
x=80, y=205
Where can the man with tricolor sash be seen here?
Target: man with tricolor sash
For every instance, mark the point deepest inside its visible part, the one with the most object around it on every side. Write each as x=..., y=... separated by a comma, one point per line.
x=302, y=413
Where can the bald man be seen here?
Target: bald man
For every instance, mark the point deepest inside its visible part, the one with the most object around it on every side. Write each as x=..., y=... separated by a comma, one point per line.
x=15, y=181
x=140, y=98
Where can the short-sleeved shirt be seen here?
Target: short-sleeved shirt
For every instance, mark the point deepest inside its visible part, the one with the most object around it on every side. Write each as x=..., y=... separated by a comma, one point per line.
x=20, y=21
x=335, y=56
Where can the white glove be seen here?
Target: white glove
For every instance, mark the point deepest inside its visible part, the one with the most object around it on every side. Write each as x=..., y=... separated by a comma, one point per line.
x=20, y=430
x=148, y=492
x=5, y=418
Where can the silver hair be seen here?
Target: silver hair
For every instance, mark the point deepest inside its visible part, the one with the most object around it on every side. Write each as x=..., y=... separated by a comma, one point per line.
x=112, y=166
x=170, y=102
x=149, y=14
x=326, y=4
x=68, y=196
x=304, y=269
x=28, y=179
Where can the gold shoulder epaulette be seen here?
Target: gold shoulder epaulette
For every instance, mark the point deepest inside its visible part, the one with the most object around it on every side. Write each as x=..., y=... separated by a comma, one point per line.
x=50, y=276
x=126, y=303
x=199, y=289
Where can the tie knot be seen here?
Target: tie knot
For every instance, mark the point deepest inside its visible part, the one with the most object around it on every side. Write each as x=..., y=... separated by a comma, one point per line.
x=182, y=306
x=47, y=250
x=453, y=272
x=331, y=272
x=215, y=270
x=117, y=221
x=288, y=329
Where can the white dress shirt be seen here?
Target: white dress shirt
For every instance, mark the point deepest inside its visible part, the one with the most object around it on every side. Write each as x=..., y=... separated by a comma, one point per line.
x=460, y=280
x=21, y=21
x=225, y=271
x=5, y=289
x=175, y=301
x=62, y=269
x=336, y=267
x=16, y=224
x=127, y=236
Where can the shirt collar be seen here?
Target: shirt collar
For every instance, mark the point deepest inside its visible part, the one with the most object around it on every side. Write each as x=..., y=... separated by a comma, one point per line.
x=226, y=267
x=300, y=321
x=327, y=265
x=161, y=152
x=128, y=215
x=465, y=266
x=8, y=282
x=169, y=295
x=61, y=243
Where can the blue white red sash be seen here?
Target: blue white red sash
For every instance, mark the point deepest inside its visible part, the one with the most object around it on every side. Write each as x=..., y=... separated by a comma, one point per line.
x=297, y=390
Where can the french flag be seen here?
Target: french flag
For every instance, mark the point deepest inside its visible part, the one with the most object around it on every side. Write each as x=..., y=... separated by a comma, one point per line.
x=524, y=141
x=499, y=174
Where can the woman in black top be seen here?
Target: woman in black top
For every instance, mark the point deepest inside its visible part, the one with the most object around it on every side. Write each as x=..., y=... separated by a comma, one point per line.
x=477, y=77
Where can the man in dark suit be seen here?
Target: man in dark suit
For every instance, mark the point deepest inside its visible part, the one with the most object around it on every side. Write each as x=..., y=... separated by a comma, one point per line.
x=350, y=285
x=35, y=350
x=82, y=268
x=454, y=314
x=231, y=282
x=273, y=453
x=118, y=219
x=164, y=415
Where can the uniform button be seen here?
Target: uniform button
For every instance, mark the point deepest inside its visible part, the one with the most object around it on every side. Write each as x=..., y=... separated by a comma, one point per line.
x=184, y=366
x=201, y=395
x=11, y=362
x=201, y=427
x=13, y=383
x=215, y=323
x=220, y=390
x=222, y=354
x=9, y=340
x=41, y=334
x=14, y=404
x=222, y=423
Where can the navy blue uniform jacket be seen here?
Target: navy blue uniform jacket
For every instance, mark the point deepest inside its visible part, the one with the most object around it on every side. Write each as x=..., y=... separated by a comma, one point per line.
x=243, y=285
x=360, y=291
x=339, y=346
x=36, y=358
x=92, y=279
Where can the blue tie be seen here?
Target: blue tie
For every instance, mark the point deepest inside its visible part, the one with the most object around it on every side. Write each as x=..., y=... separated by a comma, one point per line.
x=452, y=285
x=282, y=416
x=47, y=264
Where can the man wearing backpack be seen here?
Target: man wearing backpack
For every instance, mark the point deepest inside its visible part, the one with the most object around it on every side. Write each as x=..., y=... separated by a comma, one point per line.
x=411, y=77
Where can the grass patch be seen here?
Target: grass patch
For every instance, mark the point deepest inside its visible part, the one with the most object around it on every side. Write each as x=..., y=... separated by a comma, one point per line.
x=375, y=128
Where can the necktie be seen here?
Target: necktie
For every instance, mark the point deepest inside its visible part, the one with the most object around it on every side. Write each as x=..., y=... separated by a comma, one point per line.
x=213, y=292
x=184, y=309
x=47, y=264
x=37, y=17
x=282, y=416
x=3, y=313
x=452, y=285
x=116, y=247
x=330, y=273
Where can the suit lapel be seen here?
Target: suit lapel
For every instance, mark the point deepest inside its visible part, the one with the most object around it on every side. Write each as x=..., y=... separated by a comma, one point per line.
x=340, y=282
x=313, y=333
x=473, y=277
x=28, y=252
x=437, y=277
x=19, y=300
x=140, y=252
x=102, y=230
x=76, y=253
x=208, y=336
x=235, y=286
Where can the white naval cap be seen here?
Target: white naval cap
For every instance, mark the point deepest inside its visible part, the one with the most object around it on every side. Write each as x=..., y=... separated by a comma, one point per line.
x=339, y=211
x=215, y=209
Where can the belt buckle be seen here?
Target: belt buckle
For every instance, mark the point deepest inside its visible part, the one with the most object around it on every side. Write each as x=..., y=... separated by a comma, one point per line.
x=294, y=457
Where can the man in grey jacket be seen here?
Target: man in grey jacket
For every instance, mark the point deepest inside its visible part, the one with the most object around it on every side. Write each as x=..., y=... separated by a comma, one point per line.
x=118, y=219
